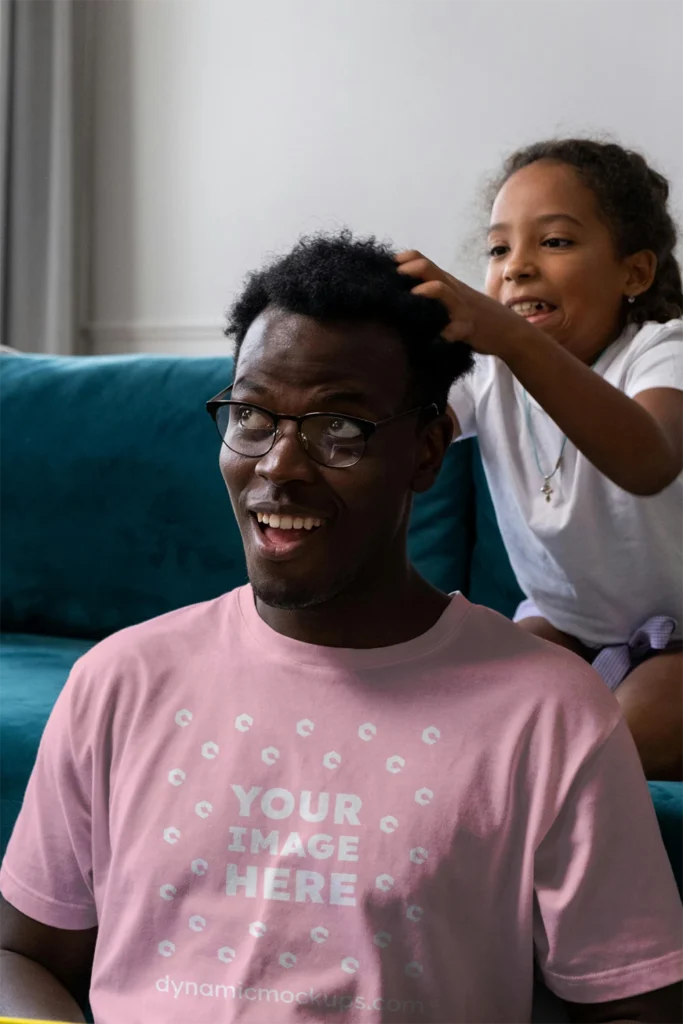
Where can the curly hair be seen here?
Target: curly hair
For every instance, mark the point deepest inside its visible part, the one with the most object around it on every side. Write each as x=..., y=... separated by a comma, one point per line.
x=336, y=277
x=632, y=198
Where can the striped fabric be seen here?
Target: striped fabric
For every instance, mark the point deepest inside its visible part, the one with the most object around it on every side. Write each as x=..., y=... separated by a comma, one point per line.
x=615, y=663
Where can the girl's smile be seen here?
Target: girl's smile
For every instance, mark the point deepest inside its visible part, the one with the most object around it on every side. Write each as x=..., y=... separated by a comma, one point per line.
x=553, y=259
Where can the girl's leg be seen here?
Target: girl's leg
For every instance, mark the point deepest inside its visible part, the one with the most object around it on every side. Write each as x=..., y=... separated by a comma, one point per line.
x=539, y=626
x=651, y=698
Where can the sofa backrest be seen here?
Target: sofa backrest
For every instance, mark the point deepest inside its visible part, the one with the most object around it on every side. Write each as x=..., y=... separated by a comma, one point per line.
x=491, y=581
x=113, y=507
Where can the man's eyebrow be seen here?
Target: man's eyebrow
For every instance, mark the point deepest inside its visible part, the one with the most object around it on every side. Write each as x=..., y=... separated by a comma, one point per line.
x=341, y=395
x=251, y=385
x=546, y=218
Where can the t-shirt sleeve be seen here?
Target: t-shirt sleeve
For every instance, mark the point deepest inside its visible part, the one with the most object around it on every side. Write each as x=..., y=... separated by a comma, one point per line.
x=606, y=909
x=462, y=399
x=659, y=363
x=47, y=871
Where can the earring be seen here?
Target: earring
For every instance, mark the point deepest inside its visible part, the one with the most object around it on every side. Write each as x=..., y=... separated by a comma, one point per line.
x=631, y=299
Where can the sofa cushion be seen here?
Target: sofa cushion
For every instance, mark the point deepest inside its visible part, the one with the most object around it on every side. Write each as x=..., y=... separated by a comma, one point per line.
x=668, y=800
x=114, y=510
x=33, y=670
x=441, y=527
x=492, y=581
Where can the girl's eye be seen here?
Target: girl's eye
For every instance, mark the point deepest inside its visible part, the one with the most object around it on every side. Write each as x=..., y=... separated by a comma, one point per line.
x=558, y=243
x=497, y=250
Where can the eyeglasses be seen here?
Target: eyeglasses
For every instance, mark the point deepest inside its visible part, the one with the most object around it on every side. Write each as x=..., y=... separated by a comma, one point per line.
x=329, y=439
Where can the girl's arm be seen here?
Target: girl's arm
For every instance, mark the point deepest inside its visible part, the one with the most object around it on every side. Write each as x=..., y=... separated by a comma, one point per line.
x=636, y=442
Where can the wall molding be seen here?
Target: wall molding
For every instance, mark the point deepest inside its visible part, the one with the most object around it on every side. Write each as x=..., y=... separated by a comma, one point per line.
x=172, y=339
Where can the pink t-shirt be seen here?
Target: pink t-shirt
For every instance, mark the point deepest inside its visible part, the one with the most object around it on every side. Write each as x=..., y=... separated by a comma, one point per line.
x=266, y=830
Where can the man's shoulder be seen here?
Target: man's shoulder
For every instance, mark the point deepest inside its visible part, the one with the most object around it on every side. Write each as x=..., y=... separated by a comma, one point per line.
x=156, y=646
x=533, y=694
x=530, y=665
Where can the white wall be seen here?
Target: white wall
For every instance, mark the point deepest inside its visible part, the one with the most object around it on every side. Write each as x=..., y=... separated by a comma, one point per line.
x=225, y=129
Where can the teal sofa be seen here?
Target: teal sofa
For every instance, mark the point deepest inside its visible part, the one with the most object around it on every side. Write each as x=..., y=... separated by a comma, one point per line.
x=113, y=511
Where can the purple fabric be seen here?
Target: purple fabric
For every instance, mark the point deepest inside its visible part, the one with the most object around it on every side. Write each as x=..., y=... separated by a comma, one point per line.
x=614, y=663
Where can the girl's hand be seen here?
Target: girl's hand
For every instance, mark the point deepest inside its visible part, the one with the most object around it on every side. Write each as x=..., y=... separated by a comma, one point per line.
x=483, y=323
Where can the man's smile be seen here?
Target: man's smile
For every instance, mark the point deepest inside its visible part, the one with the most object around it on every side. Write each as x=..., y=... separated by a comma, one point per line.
x=280, y=537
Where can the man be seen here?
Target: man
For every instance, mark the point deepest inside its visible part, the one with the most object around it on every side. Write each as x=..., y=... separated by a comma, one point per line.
x=337, y=793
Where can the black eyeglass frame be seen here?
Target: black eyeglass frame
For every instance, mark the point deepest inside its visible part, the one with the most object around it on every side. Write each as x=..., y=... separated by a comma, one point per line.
x=367, y=427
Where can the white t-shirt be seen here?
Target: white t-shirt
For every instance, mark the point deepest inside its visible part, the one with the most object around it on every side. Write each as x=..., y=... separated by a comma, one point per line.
x=596, y=560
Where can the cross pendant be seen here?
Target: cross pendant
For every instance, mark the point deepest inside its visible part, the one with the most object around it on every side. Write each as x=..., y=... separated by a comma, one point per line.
x=547, y=490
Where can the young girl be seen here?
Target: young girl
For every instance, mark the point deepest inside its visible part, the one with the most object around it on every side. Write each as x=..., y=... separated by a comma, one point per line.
x=576, y=399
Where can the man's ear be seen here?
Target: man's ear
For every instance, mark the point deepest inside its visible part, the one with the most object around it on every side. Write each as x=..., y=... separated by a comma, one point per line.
x=433, y=444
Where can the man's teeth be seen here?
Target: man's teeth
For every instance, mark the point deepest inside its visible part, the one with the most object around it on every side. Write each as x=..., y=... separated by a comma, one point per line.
x=288, y=522
x=529, y=308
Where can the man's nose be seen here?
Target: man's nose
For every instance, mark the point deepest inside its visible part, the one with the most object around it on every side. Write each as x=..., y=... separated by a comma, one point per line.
x=287, y=460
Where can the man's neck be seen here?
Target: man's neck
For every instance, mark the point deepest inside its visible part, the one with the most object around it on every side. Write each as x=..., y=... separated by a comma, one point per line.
x=378, y=615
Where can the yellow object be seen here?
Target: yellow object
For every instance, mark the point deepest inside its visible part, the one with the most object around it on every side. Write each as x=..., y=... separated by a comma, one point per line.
x=28, y=1020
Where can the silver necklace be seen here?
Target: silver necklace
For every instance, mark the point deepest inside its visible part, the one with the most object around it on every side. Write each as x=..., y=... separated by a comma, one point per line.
x=546, y=490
